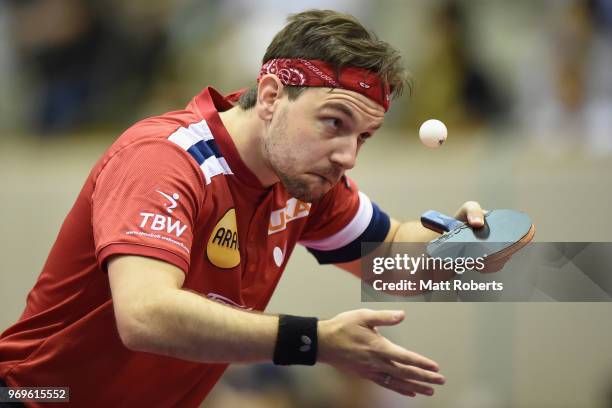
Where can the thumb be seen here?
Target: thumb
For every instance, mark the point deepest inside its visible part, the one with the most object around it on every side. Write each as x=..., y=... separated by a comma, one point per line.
x=384, y=317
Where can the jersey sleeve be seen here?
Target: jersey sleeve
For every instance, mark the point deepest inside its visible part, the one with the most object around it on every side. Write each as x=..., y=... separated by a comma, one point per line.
x=341, y=221
x=145, y=202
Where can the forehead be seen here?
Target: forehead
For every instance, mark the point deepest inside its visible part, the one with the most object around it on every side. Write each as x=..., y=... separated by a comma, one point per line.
x=360, y=106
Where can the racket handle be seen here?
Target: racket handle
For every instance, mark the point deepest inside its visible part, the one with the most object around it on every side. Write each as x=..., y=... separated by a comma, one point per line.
x=439, y=222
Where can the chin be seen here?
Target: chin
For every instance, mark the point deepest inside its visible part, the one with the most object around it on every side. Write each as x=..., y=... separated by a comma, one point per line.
x=306, y=191
x=308, y=196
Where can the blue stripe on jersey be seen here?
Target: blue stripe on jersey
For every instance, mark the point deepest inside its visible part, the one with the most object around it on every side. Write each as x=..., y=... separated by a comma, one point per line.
x=376, y=231
x=202, y=150
x=196, y=154
x=198, y=141
x=212, y=145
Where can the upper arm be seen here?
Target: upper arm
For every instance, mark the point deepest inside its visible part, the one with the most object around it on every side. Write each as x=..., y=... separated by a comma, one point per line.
x=145, y=202
x=135, y=283
x=411, y=231
x=339, y=223
x=354, y=267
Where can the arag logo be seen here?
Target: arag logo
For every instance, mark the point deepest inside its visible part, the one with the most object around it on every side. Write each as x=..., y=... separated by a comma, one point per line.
x=222, y=249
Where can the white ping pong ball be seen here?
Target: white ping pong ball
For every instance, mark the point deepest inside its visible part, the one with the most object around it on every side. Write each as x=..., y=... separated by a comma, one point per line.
x=433, y=133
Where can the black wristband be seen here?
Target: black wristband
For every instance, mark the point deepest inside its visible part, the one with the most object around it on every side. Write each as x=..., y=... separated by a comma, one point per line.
x=296, y=342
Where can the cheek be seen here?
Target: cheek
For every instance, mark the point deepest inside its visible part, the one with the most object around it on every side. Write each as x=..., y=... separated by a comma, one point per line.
x=308, y=151
x=295, y=143
x=283, y=152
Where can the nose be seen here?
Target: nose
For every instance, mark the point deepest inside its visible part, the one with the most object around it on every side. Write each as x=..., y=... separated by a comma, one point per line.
x=345, y=154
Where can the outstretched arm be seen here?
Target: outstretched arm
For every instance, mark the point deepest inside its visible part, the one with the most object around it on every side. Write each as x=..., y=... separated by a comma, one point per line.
x=154, y=314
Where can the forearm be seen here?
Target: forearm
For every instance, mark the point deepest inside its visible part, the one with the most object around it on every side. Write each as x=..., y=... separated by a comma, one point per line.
x=408, y=238
x=413, y=231
x=182, y=324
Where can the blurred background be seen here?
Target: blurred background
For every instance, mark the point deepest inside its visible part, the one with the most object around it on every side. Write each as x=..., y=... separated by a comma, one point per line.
x=524, y=87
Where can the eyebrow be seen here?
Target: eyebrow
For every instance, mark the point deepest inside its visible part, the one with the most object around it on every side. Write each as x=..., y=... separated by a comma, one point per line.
x=342, y=108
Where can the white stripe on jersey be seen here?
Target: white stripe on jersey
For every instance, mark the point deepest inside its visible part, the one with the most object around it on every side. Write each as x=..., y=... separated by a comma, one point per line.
x=350, y=232
x=212, y=167
x=187, y=137
x=198, y=132
x=202, y=130
x=224, y=165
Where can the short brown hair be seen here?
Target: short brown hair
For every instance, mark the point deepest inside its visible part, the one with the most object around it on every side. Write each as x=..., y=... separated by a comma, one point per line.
x=338, y=39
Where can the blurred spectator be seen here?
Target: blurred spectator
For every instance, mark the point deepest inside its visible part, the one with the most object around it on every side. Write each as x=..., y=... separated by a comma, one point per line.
x=567, y=84
x=9, y=94
x=56, y=41
x=84, y=57
x=450, y=82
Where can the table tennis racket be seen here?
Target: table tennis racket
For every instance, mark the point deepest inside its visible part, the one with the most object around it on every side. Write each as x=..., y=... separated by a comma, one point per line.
x=503, y=234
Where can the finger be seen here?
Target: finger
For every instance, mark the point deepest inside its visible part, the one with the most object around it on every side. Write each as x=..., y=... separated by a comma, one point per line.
x=397, y=386
x=399, y=354
x=471, y=212
x=375, y=318
x=409, y=388
x=406, y=372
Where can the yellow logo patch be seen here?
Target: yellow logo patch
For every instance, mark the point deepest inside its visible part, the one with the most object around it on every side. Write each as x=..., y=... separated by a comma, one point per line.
x=222, y=249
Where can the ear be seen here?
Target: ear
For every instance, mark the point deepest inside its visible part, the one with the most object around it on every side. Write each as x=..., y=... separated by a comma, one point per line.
x=269, y=92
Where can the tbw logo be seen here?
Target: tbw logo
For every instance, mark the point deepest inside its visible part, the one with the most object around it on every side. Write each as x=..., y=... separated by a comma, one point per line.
x=158, y=222
x=171, y=198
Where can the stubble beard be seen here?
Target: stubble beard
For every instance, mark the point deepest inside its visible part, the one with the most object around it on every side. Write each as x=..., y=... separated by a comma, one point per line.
x=276, y=156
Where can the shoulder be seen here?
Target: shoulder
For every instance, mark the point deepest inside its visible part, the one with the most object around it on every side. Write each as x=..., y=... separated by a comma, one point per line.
x=172, y=137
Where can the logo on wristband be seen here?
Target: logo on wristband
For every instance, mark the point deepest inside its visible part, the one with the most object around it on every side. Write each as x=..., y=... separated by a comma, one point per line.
x=306, y=342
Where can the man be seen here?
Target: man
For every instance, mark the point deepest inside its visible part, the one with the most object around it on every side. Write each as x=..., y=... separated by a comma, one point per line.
x=182, y=230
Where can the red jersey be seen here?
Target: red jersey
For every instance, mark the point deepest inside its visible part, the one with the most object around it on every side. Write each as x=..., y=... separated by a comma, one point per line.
x=174, y=188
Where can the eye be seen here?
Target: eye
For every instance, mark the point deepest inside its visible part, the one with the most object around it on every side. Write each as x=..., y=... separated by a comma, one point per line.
x=333, y=123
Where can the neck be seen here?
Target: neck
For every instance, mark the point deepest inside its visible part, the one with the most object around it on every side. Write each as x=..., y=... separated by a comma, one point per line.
x=246, y=131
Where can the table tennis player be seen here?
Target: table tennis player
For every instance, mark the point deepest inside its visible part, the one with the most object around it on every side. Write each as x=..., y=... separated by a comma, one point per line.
x=162, y=269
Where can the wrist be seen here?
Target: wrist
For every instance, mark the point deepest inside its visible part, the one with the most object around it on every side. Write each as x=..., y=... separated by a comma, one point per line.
x=325, y=329
x=296, y=341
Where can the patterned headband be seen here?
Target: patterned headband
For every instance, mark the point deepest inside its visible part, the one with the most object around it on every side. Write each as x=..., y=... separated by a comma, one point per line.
x=302, y=72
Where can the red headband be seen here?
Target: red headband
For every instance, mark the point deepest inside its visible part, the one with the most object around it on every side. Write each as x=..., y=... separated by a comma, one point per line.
x=302, y=72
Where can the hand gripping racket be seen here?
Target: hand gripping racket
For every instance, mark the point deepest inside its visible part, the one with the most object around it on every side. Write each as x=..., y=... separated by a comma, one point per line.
x=503, y=234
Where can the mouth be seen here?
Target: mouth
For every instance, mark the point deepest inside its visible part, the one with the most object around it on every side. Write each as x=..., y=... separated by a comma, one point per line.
x=322, y=178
